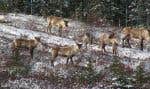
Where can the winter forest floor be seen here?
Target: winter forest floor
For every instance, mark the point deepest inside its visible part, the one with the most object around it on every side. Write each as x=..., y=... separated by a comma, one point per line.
x=91, y=69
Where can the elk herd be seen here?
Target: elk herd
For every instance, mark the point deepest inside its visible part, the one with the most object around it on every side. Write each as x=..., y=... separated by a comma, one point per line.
x=111, y=38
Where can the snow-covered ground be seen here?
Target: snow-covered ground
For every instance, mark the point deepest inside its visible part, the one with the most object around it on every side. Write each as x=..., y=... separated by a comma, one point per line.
x=50, y=39
x=19, y=26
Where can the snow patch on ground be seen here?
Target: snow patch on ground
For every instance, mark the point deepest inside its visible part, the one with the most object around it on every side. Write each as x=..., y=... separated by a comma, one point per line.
x=45, y=37
x=22, y=83
x=126, y=52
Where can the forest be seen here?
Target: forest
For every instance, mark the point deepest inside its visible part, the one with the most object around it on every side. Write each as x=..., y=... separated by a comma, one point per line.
x=116, y=12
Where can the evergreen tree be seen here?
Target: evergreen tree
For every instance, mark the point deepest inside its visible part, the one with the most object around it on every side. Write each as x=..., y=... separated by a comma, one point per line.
x=140, y=76
x=120, y=75
x=117, y=12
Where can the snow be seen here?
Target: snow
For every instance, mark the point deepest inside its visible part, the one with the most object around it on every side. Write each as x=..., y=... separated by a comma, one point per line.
x=25, y=18
x=127, y=52
x=2, y=17
x=22, y=83
x=12, y=32
x=50, y=39
x=45, y=37
x=39, y=67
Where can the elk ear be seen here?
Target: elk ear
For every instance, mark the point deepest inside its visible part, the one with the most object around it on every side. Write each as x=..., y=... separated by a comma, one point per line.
x=88, y=34
x=38, y=38
x=66, y=22
x=111, y=35
x=79, y=45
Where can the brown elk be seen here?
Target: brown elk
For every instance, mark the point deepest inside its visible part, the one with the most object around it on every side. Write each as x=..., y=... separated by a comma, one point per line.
x=136, y=33
x=66, y=51
x=31, y=44
x=106, y=39
x=59, y=22
x=87, y=38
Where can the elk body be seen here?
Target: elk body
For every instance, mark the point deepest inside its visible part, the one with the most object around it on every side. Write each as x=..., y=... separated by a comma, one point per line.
x=25, y=43
x=59, y=22
x=66, y=51
x=136, y=33
x=106, y=39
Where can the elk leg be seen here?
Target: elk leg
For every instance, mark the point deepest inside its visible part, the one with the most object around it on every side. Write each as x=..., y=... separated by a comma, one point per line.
x=16, y=53
x=49, y=29
x=13, y=52
x=71, y=59
x=67, y=60
x=60, y=32
x=128, y=41
x=31, y=52
x=103, y=48
x=52, y=62
x=123, y=42
x=91, y=40
x=114, y=49
x=86, y=44
x=127, y=38
x=141, y=44
x=114, y=52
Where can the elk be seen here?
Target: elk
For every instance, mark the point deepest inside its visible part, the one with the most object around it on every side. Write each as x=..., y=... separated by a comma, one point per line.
x=59, y=22
x=136, y=33
x=87, y=38
x=106, y=39
x=66, y=51
x=30, y=44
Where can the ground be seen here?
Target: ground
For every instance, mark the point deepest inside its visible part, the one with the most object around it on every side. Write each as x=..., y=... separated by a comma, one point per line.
x=37, y=73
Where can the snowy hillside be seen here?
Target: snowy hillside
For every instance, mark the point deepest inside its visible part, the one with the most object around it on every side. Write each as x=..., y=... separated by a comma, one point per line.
x=21, y=25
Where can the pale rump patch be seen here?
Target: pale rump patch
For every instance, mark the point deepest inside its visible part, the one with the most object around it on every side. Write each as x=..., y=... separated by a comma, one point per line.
x=2, y=17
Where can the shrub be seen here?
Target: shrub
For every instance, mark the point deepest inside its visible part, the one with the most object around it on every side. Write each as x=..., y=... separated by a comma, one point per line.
x=87, y=76
x=121, y=77
x=17, y=71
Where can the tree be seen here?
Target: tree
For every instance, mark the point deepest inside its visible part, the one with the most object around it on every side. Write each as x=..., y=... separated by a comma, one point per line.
x=117, y=12
x=3, y=6
x=139, y=76
x=121, y=75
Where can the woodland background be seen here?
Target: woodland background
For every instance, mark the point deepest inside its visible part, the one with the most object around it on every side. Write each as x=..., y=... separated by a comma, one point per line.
x=115, y=12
